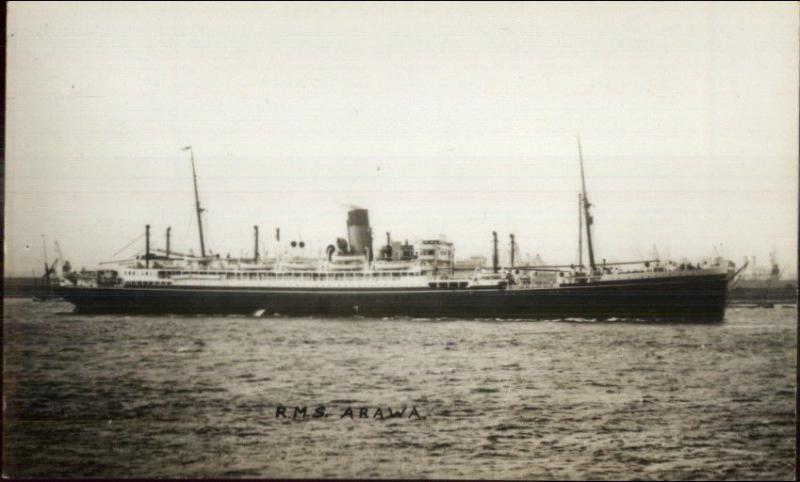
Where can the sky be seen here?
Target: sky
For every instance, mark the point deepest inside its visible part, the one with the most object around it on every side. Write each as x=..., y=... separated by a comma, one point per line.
x=440, y=118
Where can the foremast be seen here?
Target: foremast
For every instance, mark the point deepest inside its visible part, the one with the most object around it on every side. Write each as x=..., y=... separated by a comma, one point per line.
x=586, y=205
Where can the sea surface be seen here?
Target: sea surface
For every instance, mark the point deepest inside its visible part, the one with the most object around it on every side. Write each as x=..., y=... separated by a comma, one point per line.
x=178, y=396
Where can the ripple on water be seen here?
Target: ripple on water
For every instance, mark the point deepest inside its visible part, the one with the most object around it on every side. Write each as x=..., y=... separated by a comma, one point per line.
x=115, y=396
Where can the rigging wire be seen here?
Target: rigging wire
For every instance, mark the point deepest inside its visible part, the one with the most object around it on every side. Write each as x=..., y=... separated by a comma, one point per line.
x=128, y=245
x=185, y=237
x=206, y=232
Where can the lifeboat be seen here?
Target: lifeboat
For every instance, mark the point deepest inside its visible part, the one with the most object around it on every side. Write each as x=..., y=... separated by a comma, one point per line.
x=298, y=263
x=393, y=265
x=348, y=262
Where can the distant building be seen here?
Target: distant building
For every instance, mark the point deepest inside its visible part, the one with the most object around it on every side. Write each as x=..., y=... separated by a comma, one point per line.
x=436, y=255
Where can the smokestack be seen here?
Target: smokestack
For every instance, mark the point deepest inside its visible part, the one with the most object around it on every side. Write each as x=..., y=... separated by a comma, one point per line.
x=168, y=231
x=255, y=250
x=147, y=246
x=512, y=250
x=277, y=234
x=494, y=252
x=359, y=234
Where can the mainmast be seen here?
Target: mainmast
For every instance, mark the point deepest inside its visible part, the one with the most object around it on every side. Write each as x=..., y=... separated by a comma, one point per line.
x=586, y=206
x=197, y=203
x=580, y=231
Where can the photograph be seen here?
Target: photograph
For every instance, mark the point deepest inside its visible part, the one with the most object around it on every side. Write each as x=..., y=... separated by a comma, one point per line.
x=401, y=240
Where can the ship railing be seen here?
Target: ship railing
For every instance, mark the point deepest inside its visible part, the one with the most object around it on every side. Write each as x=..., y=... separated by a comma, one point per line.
x=197, y=277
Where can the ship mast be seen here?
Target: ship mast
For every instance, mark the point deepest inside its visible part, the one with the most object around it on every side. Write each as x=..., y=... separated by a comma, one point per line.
x=495, y=257
x=586, y=206
x=46, y=264
x=197, y=203
x=580, y=231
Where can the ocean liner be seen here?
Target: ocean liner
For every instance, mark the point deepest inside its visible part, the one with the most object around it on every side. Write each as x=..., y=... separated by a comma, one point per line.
x=400, y=279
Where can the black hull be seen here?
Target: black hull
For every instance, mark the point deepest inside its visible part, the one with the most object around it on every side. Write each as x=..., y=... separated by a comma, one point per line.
x=688, y=298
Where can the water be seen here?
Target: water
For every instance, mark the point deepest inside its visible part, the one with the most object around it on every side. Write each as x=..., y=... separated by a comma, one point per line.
x=116, y=396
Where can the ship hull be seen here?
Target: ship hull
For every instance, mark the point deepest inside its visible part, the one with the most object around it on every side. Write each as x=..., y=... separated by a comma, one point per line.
x=695, y=298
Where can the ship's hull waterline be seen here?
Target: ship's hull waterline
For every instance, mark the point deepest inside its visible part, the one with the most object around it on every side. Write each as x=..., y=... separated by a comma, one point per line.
x=689, y=298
